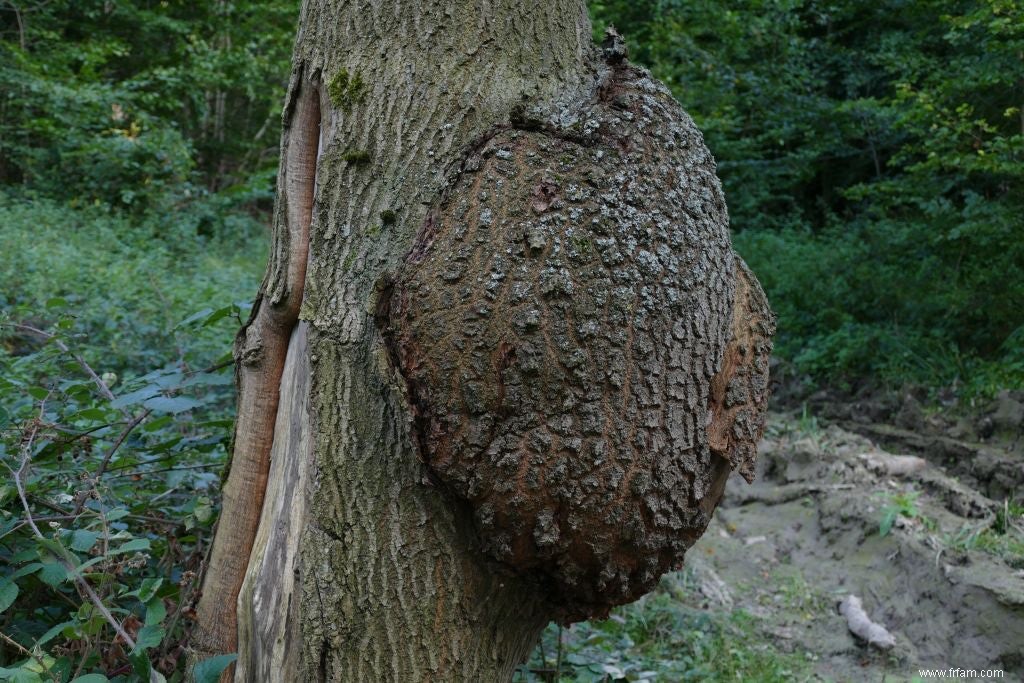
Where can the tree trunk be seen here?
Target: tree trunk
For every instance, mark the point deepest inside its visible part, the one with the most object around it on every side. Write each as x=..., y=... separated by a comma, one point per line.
x=344, y=552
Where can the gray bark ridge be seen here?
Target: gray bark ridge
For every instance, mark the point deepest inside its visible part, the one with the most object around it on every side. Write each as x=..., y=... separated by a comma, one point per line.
x=393, y=585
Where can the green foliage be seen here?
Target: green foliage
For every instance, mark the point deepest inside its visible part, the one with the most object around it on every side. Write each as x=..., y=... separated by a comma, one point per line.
x=107, y=511
x=140, y=104
x=871, y=157
x=1002, y=535
x=209, y=670
x=122, y=489
x=660, y=638
x=118, y=121
x=129, y=281
x=901, y=504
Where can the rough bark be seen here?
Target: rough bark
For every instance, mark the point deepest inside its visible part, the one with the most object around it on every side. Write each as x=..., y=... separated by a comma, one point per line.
x=559, y=324
x=361, y=563
x=739, y=392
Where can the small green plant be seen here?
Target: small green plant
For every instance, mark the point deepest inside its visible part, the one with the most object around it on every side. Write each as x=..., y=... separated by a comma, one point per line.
x=1009, y=518
x=808, y=425
x=902, y=504
x=660, y=638
x=1002, y=535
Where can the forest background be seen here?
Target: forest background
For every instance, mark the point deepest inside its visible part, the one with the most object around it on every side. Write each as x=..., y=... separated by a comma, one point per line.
x=872, y=155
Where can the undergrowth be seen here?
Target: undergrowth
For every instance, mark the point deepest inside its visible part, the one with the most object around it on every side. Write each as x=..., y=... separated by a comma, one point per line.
x=1002, y=535
x=116, y=408
x=661, y=638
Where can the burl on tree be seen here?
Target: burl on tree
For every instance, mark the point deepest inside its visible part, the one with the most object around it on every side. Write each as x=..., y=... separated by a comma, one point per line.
x=586, y=357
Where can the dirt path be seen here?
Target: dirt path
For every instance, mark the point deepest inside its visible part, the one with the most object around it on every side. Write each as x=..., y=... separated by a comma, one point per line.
x=947, y=577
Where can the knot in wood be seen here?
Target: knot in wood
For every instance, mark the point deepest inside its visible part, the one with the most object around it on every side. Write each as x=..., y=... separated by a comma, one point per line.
x=559, y=324
x=613, y=47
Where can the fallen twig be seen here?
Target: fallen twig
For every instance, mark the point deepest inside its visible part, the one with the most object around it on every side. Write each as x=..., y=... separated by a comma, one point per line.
x=786, y=493
x=861, y=626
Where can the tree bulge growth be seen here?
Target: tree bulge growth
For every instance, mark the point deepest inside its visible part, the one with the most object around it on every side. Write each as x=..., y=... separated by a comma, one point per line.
x=503, y=359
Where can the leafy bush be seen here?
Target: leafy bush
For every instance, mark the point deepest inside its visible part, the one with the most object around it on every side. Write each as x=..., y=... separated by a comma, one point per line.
x=128, y=281
x=106, y=515
x=118, y=462
x=137, y=105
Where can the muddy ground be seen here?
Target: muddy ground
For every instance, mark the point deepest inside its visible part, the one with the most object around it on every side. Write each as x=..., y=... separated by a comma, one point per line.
x=946, y=577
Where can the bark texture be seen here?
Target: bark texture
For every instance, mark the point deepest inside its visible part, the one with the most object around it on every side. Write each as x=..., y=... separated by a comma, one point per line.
x=368, y=562
x=394, y=585
x=559, y=324
x=739, y=392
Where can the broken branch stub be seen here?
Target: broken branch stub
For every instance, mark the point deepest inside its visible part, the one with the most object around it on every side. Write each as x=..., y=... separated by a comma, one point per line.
x=576, y=367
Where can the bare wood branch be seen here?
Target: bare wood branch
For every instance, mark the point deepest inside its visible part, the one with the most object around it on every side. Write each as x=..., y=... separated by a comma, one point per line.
x=110, y=454
x=72, y=570
x=97, y=380
x=25, y=651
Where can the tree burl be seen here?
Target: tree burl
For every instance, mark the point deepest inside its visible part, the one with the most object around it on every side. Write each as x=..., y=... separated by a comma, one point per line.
x=586, y=359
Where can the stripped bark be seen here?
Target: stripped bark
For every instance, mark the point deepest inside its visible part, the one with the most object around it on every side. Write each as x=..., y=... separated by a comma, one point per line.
x=739, y=392
x=260, y=351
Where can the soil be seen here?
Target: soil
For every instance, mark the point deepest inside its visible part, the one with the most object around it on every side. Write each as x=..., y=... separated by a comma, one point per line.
x=947, y=579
